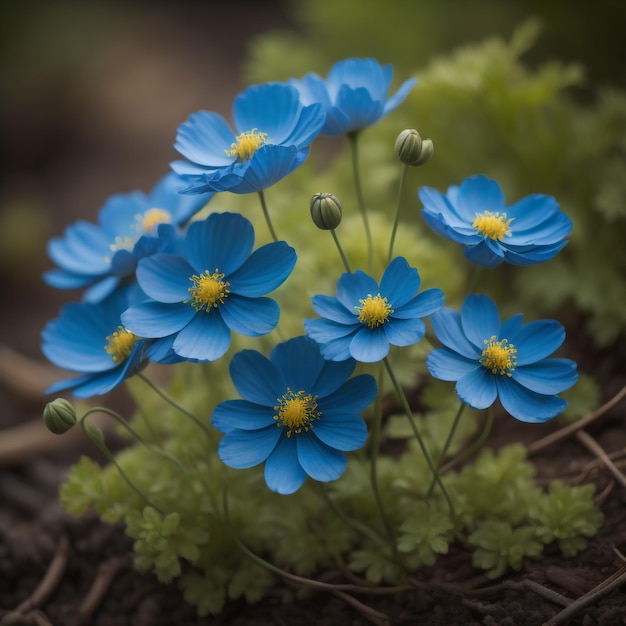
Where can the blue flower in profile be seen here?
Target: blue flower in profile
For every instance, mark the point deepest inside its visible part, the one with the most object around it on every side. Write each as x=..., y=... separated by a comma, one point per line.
x=101, y=255
x=299, y=414
x=365, y=319
x=475, y=215
x=88, y=337
x=490, y=360
x=196, y=298
x=354, y=94
x=273, y=132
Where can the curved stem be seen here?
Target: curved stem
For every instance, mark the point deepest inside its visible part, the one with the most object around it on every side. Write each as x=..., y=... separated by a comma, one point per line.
x=175, y=404
x=444, y=451
x=353, y=138
x=267, y=216
x=396, y=221
x=409, y=413
x=341, y=252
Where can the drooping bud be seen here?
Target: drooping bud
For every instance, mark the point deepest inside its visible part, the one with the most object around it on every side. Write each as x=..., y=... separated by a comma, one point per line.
x=412, y=149
x=59, y=416
x=326, y=211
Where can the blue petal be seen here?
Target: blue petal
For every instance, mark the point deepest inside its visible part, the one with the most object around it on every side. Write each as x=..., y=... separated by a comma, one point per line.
x=246, y=448
x=369, y=345
x=549, y=376
x=444, y=364
x=332, y=376
x=478, y=388
x=102, y=289
x=166, y=195
x=401, y=332
x=221, y=242
x=482, y=255
x=512, y=325
x=241, y=415
x=422, y=305
x=535, y=255
x=205, y=338
x=300, y=362
x=480, y=320
x=283, y=472
x=83, y=249
x=318, y=460
x=448, y=329
x=251, y=317
x=337, y=349
x=537, y=340
x=204, y=139
x=343, y=432
x=442, y=211
x=324, y=331
x=354, y=287
x=532, y=210
x=264, y=270
x=478, y=194
x=165, y=277
x=256, y=378
x=330, y=308
x=399, y=96
x=526, y=405
x=354, y=396
x=399, y=283
x=156, y=319
x=61, y=279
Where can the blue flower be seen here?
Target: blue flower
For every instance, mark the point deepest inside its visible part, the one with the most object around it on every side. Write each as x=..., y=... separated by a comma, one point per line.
x=213, y=287
x=365, y=318
x=88, y=337
x=475, y=215
x=354, y=95
x=489, y=360
x=273, y=132
x=299, y=414
x=102, y=255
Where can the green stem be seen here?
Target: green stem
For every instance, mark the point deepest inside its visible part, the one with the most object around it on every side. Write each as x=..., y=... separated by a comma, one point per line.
x=409, y=413
x=353, y=138
x=396, y=221
x=341, y=252
x=175, y=404
x=267, y=216
x=446, y=445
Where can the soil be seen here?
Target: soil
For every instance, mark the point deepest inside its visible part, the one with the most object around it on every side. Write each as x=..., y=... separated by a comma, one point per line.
x=58, y=570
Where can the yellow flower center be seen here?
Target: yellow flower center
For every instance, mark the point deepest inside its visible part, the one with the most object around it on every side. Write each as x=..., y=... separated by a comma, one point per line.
x=120, y=344
x=492, y=225
x=208, y=290
x=499, y=357
x=247, y=144
x=145, y=223
x=374, y=310
x=296, y=412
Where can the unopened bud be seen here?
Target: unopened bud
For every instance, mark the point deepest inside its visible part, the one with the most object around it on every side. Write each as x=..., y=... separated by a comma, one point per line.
x=412, y=149
x=326, y=211
x=59, y=416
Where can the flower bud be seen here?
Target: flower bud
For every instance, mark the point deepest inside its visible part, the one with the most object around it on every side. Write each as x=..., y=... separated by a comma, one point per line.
x=59, y=416
x=412, y=149
x=326, y=211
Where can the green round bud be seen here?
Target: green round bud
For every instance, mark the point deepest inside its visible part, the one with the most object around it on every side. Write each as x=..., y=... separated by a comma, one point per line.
x=408, y=146
x=326, y=211
x=59, y=416
x=428, y=149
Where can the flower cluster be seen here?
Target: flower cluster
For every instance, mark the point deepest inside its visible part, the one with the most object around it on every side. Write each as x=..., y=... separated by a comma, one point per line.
x=166, y=283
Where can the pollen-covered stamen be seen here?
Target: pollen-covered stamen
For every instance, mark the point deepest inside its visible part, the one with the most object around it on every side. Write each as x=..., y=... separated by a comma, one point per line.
x=374, y=310
x=296, y=412
x=208, y=290
x=120, y=344
x=492, y=225
x=247, y=144
x=499, y=356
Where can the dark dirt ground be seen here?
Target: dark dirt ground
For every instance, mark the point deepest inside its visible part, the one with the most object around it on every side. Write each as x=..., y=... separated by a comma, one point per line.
x=78, y=133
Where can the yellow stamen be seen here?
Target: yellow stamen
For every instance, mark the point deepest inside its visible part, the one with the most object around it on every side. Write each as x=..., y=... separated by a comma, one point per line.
x=499, y=357
x=492, y=225
x=120, y=344
x=209, y=290
x=296, y=412
x=374, y=311
x=247, y=144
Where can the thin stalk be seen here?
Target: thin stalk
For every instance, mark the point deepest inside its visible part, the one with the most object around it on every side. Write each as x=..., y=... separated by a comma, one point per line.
x=396, y=221
x=341, y=252
x=267, y=215
x=409, y=413
x=446, y=446
x=175, y=404
x=353, y=138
